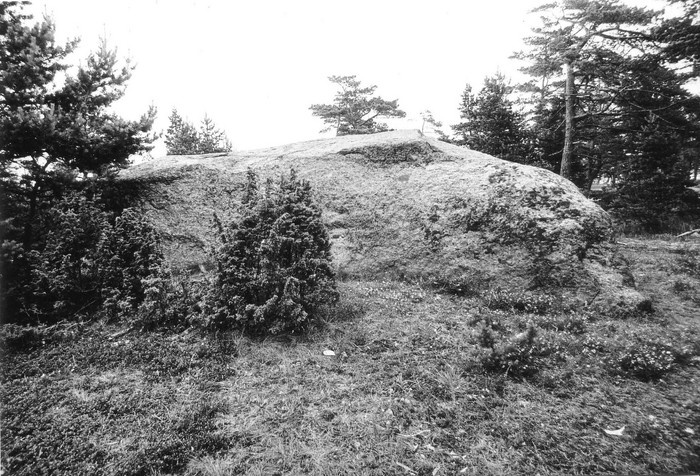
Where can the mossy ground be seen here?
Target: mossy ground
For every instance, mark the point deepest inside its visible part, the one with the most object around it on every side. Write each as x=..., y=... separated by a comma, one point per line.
x=405, y=393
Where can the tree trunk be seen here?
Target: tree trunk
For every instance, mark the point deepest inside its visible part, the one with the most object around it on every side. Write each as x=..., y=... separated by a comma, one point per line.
x=34, y=194
x=28, y=226
x=592, y=173
x=567, y=152
x=590, y=178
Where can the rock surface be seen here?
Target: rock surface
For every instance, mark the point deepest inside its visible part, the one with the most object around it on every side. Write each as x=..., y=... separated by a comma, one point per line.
x=401, y=205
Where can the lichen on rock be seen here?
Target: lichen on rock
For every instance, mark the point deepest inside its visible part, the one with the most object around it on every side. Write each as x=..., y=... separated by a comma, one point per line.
x=404, y=206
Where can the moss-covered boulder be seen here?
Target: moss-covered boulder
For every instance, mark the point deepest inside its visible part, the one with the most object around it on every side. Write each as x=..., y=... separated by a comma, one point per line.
x=401, y=205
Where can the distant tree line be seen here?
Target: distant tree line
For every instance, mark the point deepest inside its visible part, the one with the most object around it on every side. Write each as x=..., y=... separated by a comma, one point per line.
x=182, y=138
x=606, y=102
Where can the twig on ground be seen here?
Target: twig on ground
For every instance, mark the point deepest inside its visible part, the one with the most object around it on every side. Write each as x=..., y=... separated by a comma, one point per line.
x=409, y=470
x=121, y=333
x=691, y=232
x=588, y=304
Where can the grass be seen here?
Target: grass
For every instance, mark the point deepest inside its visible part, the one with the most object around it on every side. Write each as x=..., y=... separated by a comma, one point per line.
x=407, y=392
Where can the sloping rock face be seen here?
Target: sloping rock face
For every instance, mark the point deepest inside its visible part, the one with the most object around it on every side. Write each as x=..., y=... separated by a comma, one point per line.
x=400, y=205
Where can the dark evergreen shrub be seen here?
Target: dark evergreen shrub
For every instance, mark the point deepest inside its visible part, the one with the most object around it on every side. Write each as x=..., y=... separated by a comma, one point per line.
x=274, y=268
x=653, y=194
x=15, y=276
x=128, y=254
x=88, y=262
x=64, y=269
x=170, y=299
x=14, y=337
x=514, y=357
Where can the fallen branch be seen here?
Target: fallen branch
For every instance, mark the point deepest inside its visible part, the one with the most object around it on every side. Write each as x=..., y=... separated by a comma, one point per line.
x=121, y=333
x=691, y=232
x=588, y=304
x=406, y=468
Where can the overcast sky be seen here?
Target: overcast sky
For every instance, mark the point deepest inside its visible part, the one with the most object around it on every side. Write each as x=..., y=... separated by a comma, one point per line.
x=255, y=67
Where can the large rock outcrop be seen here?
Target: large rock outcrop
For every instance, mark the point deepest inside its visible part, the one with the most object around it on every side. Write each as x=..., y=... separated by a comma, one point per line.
x=401, y=205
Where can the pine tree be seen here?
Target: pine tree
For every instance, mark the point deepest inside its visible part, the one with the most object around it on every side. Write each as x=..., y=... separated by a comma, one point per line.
x=54, y=135
x=212, y=139
x=681, y=36
x=658, y=125
x=51, y=132
x=355, y=109
x=618, y=100
x=181, y=137
x=433, y=124
x=576, y=35
x=489, y=122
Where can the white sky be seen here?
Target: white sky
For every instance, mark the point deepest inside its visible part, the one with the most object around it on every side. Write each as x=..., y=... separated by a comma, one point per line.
x=256, y=66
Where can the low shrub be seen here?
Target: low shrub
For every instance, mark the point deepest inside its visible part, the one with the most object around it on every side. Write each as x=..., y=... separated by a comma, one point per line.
x=526, y=302
x=128, y=253
x=681, y=286
x=485, y=337
x=515, y=356
x=686, y=290
x=688, y=260
x=15, y=276
x=647, y=361
x=594, y=345
x=651, y=360
x=624, y=310
x=464, y=286
x=170, y=299
x=65, y=275
x=572, y=323
x=14, y=337
x=274, y=268
x=87, y=261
